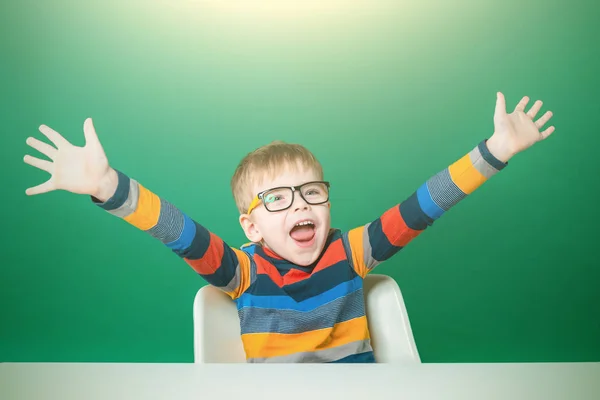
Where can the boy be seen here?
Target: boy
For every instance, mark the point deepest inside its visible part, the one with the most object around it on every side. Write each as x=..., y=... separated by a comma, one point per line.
x=298, y=285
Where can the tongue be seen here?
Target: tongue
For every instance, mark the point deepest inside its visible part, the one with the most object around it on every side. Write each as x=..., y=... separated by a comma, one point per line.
x=303, y=233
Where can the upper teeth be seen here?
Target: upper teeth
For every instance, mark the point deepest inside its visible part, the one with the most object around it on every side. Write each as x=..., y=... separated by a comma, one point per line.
x=304, y=223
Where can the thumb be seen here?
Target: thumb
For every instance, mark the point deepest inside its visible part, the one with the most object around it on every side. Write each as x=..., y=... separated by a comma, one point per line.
x=500, y=105
x=91, y=138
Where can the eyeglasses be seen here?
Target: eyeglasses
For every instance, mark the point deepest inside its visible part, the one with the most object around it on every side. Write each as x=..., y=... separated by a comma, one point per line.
x=282, y=198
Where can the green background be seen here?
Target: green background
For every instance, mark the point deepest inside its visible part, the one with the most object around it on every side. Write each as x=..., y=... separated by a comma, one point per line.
x=385, y=93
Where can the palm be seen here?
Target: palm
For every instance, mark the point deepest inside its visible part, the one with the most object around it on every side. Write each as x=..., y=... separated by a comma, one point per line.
x=518, y=129
x=74, y=169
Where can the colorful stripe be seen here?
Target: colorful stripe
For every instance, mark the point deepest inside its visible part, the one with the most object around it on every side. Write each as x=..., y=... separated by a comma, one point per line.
x=358, y=357
x=291, y=313
x=242, y=278
x=263, y=345
x=170, y=224
x=359, y=351
x=256, y=319
x=288, y=303
x=147, y=213
x=360, y=248
x=317, y=284
x=184, y=237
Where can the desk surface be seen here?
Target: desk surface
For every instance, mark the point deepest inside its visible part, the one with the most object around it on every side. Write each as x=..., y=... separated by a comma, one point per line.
x=566, y=381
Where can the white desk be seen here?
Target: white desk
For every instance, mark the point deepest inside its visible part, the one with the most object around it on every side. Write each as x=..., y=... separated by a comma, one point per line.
x=32, y=381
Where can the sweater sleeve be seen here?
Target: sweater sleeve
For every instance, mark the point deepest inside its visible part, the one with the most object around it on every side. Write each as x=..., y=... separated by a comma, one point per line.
x=220, y=265
x=382, y=238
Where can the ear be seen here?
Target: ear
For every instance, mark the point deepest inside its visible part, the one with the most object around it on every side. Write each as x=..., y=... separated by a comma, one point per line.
x=250, y=228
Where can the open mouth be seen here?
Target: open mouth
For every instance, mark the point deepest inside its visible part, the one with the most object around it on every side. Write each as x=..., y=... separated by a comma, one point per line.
x=303, y=233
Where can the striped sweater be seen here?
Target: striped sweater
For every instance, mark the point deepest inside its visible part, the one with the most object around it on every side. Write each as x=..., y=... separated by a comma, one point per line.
x=291, y=313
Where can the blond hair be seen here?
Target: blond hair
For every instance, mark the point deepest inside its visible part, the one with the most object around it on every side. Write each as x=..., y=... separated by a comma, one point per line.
x=264, y=163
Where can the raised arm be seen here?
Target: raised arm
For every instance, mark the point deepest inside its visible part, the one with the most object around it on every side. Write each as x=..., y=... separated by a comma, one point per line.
x=85, y=170
x=380, y=239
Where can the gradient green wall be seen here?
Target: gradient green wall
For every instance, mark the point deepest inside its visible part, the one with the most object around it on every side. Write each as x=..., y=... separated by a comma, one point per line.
x=385, y=93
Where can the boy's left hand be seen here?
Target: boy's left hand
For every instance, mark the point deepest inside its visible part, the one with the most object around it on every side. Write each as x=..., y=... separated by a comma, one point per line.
x=518, y=130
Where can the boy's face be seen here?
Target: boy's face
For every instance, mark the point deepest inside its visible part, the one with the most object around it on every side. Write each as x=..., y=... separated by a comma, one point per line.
x=279, y=230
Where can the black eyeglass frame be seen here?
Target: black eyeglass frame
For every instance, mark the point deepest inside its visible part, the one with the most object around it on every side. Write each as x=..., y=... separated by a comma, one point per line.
x=295, y=189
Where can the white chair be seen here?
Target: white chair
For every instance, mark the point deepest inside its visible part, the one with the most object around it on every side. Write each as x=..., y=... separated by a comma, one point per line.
x=217, y=326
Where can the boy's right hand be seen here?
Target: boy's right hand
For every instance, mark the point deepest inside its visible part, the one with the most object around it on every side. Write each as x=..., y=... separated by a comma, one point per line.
x=81, y=170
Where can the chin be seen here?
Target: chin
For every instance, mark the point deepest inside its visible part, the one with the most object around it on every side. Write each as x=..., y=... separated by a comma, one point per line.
x=304, y=260
x=307, y=253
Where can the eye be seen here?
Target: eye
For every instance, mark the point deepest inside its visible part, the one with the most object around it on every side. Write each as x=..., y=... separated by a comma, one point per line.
x=271, y=197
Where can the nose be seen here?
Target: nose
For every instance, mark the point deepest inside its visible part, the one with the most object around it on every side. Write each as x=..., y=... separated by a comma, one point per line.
x=300, y=203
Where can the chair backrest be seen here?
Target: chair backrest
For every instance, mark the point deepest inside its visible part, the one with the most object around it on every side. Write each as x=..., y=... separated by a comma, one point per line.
x=217, y=326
